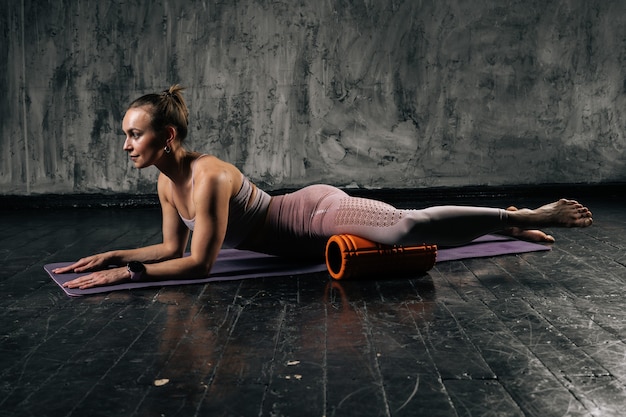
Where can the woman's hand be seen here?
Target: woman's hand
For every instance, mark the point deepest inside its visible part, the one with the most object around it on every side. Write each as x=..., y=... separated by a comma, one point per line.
x=105, y=277
x=90, y=263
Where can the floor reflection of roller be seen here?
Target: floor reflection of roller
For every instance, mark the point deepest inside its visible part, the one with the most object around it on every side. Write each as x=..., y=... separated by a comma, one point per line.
x=349, y=256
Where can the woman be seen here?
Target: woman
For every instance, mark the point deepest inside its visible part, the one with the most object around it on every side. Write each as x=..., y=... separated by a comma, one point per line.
x=214, y=199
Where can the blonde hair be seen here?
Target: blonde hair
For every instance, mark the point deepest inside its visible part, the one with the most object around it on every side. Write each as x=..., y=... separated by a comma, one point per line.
x=166, y=108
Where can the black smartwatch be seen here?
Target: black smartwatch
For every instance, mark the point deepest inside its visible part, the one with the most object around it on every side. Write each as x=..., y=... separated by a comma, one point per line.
x=136, y=270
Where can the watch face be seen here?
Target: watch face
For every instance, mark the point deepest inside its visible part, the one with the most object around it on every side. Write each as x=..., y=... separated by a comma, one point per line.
x=135, y=266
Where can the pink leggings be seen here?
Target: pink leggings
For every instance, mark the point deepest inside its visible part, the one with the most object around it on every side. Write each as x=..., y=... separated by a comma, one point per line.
x=300, y=223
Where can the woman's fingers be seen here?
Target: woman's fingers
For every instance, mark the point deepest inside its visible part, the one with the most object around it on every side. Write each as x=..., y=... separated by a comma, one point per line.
x=105, y=277
x=83, y=282
x=90, y=263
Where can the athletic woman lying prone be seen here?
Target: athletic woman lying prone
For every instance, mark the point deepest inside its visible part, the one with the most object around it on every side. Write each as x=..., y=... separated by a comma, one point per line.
x=212, y=198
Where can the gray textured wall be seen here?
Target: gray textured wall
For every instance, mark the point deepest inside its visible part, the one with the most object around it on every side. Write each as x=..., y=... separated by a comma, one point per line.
x=380, y=93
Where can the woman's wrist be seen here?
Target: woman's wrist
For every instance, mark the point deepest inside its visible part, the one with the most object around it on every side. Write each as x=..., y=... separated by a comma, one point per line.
x=115, y=258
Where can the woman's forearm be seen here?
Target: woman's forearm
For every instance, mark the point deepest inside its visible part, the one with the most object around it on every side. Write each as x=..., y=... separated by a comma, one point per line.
x=155, y=270
x=148, y=254
x=181, y=268
x=162, y=263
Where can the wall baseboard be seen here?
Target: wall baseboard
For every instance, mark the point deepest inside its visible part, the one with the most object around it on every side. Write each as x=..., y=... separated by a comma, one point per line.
x=396, y=196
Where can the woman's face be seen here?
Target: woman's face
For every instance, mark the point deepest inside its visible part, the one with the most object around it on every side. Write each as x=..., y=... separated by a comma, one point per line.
x=142, y=143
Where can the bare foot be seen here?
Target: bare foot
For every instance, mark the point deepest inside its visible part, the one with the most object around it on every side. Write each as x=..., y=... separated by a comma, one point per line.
x=528, y=235
x=562, y=213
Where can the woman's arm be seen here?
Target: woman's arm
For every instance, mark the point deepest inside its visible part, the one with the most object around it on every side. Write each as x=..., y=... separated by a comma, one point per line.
x=175, y=233
x=175, y=236
x=212, y=192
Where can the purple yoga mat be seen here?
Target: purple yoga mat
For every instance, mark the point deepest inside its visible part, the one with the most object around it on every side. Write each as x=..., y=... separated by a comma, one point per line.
x=233, y=264
x=489, y=245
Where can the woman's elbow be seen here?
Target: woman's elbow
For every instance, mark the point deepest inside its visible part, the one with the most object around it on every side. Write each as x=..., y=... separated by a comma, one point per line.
x=201, y=269
x=206, y=270
x=173, y=253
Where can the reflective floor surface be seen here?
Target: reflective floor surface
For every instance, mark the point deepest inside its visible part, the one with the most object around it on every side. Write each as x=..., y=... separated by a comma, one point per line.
x=538, y=334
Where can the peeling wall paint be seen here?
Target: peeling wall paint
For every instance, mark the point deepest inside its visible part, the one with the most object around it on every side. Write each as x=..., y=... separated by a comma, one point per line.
x=375, y=93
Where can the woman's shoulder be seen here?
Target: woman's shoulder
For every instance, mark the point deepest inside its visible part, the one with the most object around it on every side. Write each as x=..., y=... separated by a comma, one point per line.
x=214, y=166
x=213, y=171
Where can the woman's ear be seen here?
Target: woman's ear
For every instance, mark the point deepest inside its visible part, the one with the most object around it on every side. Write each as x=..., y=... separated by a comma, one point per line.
x=170, y=135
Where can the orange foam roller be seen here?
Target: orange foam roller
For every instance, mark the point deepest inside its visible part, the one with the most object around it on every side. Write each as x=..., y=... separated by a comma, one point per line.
x=349, y=256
